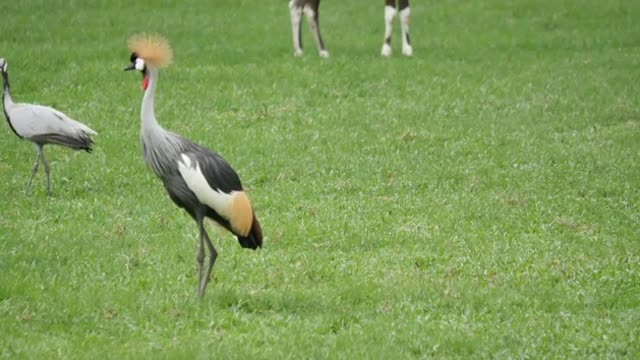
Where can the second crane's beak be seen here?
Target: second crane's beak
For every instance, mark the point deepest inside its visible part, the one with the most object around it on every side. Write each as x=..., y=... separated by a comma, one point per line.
x=132, y=66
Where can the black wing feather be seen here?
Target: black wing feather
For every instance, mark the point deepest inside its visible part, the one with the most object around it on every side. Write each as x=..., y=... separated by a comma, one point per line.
x=219, y=174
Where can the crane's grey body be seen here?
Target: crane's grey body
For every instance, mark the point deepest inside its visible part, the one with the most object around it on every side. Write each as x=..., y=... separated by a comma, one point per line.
x=42, y=125
x=163, y=152
x=197, y=179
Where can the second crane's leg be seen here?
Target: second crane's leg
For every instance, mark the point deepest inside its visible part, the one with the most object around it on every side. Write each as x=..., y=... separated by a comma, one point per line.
x=46, y=169
x=33, y=172
x=213, y=255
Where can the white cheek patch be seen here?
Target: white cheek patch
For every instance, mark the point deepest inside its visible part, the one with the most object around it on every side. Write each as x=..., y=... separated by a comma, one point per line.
x=221, y=202
x=139, y=64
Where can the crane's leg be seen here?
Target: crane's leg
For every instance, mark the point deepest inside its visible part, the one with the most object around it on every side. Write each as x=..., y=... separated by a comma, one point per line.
x=33, y=173
x=39, y=158
x=46, y=169
x=213, y=255
x=200, y=259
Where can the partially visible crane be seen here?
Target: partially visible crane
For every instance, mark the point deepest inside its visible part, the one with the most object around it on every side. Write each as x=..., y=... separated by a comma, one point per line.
x=42, y=125
x=197, y=179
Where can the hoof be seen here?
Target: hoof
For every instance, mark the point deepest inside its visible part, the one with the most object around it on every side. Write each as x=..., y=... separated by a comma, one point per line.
x=386, y=50
x=407, y=50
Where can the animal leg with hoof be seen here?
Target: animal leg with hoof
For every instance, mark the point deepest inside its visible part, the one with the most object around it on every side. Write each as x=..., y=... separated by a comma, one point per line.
x=389, y=14
x=314, y=23
x=296, y=23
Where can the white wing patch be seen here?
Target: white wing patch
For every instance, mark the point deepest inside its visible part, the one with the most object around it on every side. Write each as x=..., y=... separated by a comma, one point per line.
x=221, y=202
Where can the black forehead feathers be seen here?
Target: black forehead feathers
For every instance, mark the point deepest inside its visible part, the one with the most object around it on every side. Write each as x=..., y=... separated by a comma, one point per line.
x=133, y=57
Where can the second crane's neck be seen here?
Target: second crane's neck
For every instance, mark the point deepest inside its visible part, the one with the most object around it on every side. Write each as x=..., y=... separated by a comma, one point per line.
x=7, y=102
x=148, y=117
x=6, y=94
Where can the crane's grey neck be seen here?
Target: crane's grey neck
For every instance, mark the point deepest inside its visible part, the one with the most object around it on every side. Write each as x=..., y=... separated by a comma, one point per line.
x=7, y=102
x=149, y=122
x=161, y=148
x=6, y=94
x=5, y=78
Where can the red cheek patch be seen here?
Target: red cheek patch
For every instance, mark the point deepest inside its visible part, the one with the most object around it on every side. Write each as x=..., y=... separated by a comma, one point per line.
x=145, y=82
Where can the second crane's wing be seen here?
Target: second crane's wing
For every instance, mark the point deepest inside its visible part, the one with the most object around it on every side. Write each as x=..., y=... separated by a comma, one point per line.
x=34, y=120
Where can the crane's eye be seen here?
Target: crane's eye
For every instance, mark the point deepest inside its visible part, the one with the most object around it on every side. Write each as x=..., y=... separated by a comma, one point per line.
x=139, y=63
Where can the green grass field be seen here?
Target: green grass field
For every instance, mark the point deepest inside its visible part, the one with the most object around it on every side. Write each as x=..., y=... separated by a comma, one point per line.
x=479, y=200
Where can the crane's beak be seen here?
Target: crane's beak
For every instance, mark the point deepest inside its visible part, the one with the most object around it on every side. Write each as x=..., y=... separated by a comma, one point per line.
x=132, y=66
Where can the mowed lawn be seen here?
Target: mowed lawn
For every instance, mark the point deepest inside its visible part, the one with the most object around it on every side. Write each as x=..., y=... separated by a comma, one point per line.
x=478, y=200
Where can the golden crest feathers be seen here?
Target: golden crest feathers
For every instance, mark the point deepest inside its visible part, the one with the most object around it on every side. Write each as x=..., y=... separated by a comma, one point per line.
x=154, y=49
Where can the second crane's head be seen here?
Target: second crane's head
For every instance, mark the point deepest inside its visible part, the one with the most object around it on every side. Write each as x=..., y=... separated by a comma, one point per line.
x=149, y=52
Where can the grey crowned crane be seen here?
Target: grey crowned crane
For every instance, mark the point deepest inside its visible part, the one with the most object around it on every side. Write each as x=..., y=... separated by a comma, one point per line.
x=43, y=125
x=197, y=179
